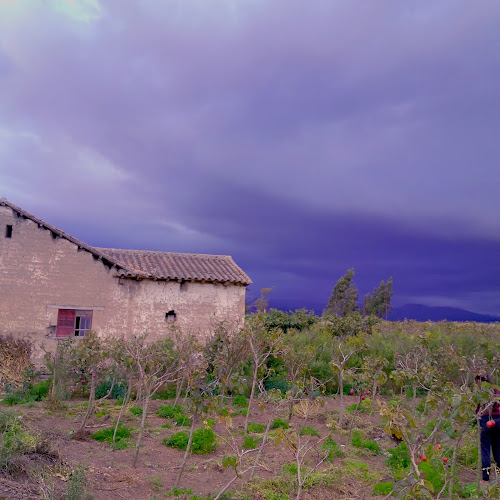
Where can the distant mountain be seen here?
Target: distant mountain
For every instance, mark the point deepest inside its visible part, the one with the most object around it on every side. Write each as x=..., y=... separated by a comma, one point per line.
x=417, y=312
x=420, y=312
x=292, y=305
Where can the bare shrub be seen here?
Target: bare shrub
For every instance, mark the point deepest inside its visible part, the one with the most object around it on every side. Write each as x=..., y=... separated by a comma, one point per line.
x=15, y=357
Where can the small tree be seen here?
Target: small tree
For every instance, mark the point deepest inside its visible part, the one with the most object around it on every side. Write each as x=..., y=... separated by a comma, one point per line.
x=224, y=352
x=306, y=448
x=344, y=297
x=297, y=355
x=125, y=368
x=378, y=303
x=59, y=365
x=348, y=335
x=263, y=344
x=157, y=363
x=90, y=359
x=187, y=347
x=261, y=304
x=201, y=400
x=343, y=350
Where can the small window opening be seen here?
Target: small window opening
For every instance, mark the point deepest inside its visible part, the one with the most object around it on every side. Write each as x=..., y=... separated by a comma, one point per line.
x=170, y=316
x=184, y=286
x=8, y=231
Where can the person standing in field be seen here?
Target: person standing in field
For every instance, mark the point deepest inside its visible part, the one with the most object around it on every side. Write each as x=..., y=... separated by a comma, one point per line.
x=490, y=431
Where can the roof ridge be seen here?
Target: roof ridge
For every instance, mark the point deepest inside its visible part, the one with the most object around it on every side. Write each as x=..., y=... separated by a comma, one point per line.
x=93, y=250
x=165, y=252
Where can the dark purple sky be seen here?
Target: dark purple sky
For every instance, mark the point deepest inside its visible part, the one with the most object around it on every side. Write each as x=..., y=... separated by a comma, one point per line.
x=300, y=137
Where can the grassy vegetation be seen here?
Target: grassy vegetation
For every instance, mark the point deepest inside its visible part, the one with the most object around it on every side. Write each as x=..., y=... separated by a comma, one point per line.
x=279, y=423
x=255, y=428
x=358, y=442
x=170, y=411
x=414, y=378
x=204, y=441
x=309, y=431
x=123, y=434
x=29, y=393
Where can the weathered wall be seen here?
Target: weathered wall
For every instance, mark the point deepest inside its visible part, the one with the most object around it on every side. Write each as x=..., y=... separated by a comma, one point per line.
x=197, y=305
x=38, y=270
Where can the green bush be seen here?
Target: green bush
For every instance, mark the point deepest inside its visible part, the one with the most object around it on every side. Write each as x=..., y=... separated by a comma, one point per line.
x=358, y=442
x=240, y=401
x=166, y=392
x=182, y=420
x=178, y=440
x=383, y=488
x=467, y=454
x=103, y=388
x=365, y=406
x=277, y=382
x=291, y=468
x=309, y=431
x=176, y=492
x=469, y=491
x=249, y=442
x=421, y=406
x=135, y=410
x=433, y=474
x=255, y=428
x=333, y=448
x=14, y=442
x=76, y=487
x=28, y=394
x=356, y=439
x=204, y=441
x=279, y=423
x=169, y=411
x=122, y=435
x=224, y=411
x=40, y=390
x=399, y=459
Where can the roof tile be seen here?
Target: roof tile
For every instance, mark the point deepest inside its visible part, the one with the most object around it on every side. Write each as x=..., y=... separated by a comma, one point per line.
x=178, y=266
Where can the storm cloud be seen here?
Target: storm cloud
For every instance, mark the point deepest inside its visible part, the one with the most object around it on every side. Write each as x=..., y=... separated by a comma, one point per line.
x=303, y=138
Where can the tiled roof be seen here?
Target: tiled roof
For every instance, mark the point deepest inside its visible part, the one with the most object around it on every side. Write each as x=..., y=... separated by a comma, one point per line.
x=178, y=266
x=150, y=264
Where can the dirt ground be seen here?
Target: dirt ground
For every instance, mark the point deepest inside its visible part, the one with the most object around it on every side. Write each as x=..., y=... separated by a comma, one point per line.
x=110, y=475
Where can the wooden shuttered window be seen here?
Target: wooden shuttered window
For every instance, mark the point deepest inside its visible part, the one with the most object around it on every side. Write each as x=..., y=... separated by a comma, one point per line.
x=71, y=322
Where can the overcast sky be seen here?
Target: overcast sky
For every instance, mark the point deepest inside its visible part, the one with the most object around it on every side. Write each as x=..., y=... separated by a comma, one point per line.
x=301, y=137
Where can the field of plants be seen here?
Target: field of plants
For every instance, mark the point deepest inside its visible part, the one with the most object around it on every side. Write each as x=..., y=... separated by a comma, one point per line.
x=292, y=406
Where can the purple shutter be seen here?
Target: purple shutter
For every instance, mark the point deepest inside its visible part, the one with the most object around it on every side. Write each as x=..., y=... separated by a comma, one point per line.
x=65, y=323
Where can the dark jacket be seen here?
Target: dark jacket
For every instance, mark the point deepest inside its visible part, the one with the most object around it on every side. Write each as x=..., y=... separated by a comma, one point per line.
x=492, y=410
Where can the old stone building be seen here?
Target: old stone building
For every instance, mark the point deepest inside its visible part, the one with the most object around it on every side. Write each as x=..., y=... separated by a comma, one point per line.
x=53, y=286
